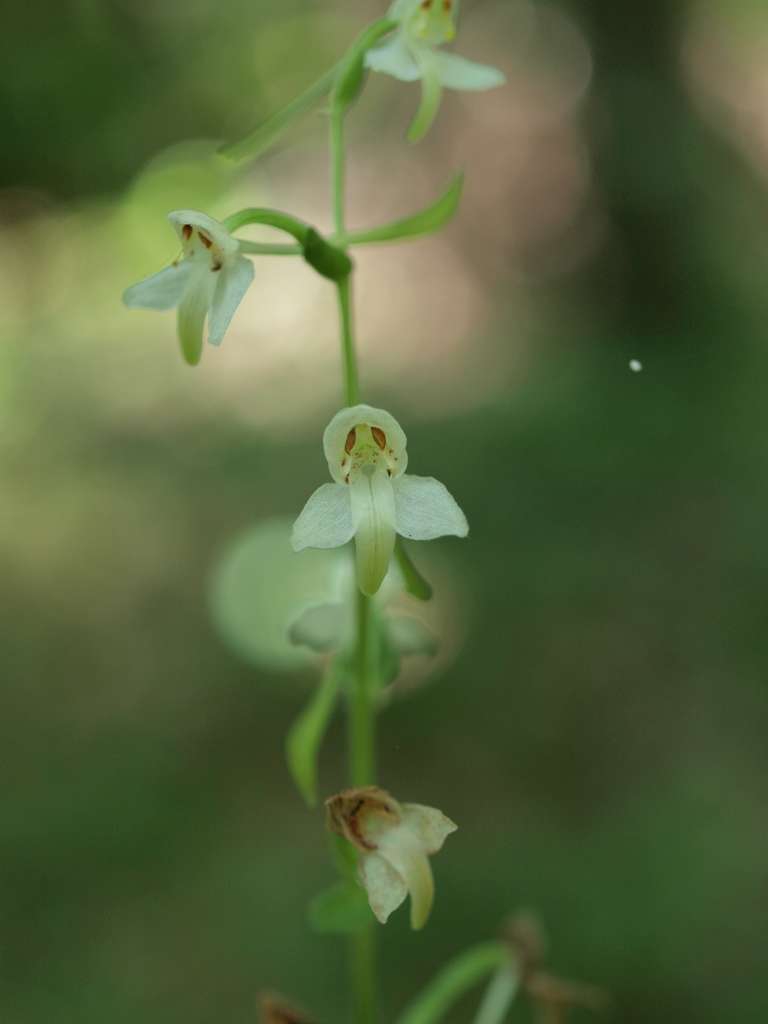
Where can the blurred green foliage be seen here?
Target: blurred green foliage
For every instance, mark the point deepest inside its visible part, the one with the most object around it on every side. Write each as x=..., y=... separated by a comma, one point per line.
x=600, y=738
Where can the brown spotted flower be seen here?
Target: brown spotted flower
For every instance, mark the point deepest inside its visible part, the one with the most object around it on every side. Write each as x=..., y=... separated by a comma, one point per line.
x=209, y=281
x=372, y=498
x=395, y=842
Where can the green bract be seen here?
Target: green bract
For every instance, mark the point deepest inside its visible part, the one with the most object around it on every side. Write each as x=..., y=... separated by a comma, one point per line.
x=412, y=55
x=372, y=498
x=209, y=281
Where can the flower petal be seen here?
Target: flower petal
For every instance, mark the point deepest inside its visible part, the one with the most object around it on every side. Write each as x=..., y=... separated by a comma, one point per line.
x=335, y=436
x=459, y=73
x=431, y=93
x=425, y=509
x=215, y=229
x=325, y=521
x=373, y=514
x=163, y=290
x=394, y=58
x=402, y=848
x=410, y=636
x=385, y=887
x=428, y=824
x=192, y=312
x=233, y=282
x=321, y=627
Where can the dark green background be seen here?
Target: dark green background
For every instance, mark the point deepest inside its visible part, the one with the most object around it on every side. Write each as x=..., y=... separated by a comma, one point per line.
x=601, y=737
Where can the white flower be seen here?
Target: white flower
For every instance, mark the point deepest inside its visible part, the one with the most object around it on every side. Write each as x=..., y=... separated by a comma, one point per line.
x=395, y=841
x=372, y=499
x=210, y=280
x=412, y=54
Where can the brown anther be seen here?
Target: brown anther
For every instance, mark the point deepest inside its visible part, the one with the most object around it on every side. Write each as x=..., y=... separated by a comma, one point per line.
x=426, y=5
x=186, y=232
x=379, y=437
x=216, y=266
x=447, y=5
x=351, y=813
x=207, y=242
x=349, y=444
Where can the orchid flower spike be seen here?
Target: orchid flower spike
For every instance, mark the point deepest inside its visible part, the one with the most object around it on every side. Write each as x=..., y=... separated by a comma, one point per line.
x=394, y=841
x=372, y=499
x=412, y=54
x=209, y=280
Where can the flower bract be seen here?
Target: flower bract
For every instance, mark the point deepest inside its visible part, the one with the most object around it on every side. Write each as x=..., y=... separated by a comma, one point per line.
x=395, y=842
x=372, y=498
x=208, y=280
x=412, y=54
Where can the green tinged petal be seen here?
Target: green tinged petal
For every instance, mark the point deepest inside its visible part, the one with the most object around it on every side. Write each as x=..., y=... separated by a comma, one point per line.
x=191, y=318
x=306, y=734
x=373, y=514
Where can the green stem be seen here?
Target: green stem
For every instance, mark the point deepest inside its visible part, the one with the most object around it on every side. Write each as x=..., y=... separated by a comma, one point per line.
x=362, y=770
x=269, y=248
x=338, y=170
x=348, y=352
x=362, y=741
x=361, y=712
x=298, y=229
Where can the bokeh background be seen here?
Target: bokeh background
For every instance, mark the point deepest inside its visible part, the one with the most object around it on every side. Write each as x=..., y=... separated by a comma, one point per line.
x=600, y=730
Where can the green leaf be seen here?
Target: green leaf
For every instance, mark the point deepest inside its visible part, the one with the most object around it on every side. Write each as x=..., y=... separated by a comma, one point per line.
x=340, y=910
x=266, y=134
x=423, y=223
x=460, y=975
x=306, y=734
x=413, y=581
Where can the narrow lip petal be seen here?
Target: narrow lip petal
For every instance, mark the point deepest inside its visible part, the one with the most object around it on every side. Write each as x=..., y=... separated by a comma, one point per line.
x=192, y=311
x=219, y=234
x=326, y=519
x=234, y=280
x=402, y=848
x=373, y=513
x=425, y=509
x=335, y=435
